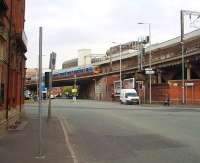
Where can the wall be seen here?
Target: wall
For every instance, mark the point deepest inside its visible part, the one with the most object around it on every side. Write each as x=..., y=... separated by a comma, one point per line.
x=192, y=92
x=12, y=59
x=173, y=90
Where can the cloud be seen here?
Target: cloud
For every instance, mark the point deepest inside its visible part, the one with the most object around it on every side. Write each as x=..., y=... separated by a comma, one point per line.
x=71, y=25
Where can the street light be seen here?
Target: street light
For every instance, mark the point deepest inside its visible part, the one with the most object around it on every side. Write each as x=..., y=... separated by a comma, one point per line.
x=120, y=64
x=149, y=24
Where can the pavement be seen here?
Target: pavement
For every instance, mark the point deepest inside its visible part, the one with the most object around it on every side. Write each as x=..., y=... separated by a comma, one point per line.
x=20, y=145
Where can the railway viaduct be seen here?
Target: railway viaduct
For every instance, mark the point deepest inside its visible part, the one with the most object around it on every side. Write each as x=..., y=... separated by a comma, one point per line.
x=166, y=62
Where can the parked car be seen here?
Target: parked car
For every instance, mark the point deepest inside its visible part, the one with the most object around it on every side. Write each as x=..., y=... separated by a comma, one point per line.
x=27, y=95
x=129, y=96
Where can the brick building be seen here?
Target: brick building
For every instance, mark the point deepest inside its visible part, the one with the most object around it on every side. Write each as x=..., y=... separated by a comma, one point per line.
x=12, y=57
x=166, y=61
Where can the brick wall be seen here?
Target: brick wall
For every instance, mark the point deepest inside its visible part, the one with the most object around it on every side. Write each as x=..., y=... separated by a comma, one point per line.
x=12, y=65
x=174, y=91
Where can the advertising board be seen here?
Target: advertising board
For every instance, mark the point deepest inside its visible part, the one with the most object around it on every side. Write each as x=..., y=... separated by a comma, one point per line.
x=117, y=88
x=129, y=83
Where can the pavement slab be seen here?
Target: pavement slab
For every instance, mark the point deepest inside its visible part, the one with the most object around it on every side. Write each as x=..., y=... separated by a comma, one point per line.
x=21, y=146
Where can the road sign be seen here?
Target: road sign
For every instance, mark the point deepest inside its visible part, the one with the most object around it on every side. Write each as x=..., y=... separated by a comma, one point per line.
x=149, y=71
x=189, y=84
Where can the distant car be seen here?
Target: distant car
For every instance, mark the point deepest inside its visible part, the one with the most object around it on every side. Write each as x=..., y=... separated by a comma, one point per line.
x=129, y=96
x=52, y=96
x=27, y=95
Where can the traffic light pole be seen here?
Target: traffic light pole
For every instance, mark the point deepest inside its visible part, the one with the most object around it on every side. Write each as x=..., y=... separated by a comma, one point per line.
x=50, y=89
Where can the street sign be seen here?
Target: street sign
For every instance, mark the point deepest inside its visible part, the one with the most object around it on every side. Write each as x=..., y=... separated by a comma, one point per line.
x=149, y=71
x=189, y=84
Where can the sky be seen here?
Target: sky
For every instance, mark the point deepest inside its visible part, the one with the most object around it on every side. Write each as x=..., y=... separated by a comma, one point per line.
x=69, y=25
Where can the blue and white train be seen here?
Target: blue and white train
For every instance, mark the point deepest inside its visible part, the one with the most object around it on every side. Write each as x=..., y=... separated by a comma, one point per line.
x=76, y=71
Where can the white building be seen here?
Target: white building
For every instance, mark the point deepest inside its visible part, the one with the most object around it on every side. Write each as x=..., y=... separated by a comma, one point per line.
x=84, y=57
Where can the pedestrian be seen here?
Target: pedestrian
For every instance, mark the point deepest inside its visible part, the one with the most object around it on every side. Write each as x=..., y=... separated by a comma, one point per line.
x=167, y=100
x=113, y=96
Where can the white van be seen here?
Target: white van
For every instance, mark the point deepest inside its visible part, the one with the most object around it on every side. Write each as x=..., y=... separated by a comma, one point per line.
x=129, y=96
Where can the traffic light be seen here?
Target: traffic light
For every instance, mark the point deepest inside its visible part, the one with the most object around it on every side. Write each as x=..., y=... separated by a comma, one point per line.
x=147, y=39
x=52, y=61
x=46, y=79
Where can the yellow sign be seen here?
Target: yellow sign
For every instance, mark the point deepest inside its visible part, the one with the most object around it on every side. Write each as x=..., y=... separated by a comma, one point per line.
x=74, y=90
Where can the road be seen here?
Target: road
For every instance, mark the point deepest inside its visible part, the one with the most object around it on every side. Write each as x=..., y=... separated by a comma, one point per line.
x=105, y=132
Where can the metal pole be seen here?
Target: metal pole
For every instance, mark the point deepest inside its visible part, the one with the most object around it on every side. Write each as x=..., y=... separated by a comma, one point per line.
x=40, y=91
x=120, y=65
x=150, y=62
x=36, y=75
x=182, y=52
x=50, y=88
x=75, y=88
x=95, y=89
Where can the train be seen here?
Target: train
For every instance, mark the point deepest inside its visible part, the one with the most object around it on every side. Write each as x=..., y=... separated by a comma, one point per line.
x=76, y=71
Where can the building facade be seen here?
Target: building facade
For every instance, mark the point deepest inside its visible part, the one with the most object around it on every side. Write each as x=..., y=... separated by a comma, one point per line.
x=70, y=63
x=13, y=46
x=85, y=57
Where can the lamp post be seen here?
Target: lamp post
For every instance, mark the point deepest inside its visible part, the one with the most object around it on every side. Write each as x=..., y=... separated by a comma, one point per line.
x=149, y=24
x=120, y=64
x=182, y=55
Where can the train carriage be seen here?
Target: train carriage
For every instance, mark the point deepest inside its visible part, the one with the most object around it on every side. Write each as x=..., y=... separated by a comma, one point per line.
x=78, y=71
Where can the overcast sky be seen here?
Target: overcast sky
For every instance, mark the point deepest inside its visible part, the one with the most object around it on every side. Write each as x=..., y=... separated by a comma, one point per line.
x=69, y=25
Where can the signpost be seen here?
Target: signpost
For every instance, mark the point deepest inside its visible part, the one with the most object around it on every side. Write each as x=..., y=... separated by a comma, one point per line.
x=52, y=63
x=40, y=156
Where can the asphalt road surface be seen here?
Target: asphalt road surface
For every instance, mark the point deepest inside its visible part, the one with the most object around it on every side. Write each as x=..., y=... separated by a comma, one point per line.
x=105, y=132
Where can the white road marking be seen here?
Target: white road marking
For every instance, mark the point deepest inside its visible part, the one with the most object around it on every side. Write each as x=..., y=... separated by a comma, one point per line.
x=64, y=123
